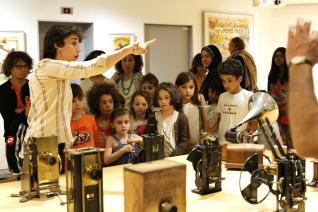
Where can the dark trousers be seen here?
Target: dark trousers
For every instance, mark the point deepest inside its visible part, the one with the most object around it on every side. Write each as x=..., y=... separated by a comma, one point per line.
x=10, y=155
x=61, y=148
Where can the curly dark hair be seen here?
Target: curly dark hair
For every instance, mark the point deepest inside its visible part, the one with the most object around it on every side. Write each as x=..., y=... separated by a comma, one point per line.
x=143, y=94
x=12, y=58
x=55, y=36
x=231, y=67
x=93, y=96
x=138, y=65
x=174, y=95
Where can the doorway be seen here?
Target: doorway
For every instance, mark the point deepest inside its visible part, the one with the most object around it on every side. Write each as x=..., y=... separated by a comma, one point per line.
x=172, y=52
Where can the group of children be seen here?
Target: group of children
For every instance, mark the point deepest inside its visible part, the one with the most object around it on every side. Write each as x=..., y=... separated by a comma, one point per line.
x=118, y=128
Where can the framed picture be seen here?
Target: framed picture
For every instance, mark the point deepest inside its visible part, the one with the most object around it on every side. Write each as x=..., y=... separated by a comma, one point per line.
x=220, y=28
x=119, y=40
x=11, y=40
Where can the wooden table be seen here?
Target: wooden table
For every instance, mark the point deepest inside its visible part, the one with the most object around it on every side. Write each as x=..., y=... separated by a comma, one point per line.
x=229, y=199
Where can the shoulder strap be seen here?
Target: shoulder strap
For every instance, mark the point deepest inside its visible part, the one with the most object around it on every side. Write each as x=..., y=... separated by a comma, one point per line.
x=116, y=138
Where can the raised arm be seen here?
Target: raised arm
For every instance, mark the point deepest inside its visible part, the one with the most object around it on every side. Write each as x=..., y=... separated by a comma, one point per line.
x=302, y=54
x=136, y=49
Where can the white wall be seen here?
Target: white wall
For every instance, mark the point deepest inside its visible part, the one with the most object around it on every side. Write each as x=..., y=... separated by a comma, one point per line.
x=126, y=16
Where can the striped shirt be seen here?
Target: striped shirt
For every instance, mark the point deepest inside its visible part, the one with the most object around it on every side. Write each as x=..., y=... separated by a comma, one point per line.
x=51, y=95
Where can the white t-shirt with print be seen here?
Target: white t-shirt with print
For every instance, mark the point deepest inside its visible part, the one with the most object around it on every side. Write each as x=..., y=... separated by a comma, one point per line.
x=233, y=108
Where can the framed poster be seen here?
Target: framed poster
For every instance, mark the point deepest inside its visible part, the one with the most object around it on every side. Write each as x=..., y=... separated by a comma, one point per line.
x=120, y=40
x=11, y=40
x=220, y=28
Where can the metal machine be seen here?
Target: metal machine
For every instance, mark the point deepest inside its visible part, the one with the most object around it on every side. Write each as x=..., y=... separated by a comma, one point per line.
x=84, y=179
x=41, y=168
x=207, y=163
x=285, y=176
x=153, y=142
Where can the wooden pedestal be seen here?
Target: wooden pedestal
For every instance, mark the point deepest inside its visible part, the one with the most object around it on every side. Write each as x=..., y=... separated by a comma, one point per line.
x=148, y=185
x=237, y=154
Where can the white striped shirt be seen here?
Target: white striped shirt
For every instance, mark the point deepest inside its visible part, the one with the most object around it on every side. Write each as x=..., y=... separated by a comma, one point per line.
x=51, y=95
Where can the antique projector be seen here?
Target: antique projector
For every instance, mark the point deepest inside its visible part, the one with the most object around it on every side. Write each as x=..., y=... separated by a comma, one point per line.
x=285, y=176
x=41, y=168
x=84, y=179
x=206, y=161
x=153, y=142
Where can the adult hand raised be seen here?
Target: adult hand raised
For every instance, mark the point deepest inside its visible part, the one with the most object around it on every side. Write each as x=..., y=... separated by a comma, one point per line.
x=302, y=42
x=139, y=48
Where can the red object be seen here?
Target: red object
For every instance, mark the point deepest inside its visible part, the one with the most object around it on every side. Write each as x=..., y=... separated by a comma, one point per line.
x=10, y=140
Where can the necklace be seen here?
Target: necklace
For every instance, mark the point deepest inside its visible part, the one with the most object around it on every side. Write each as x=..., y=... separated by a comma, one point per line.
x=126, y=90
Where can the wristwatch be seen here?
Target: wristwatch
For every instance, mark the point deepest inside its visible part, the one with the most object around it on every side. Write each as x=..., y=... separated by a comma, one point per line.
x=297, y=60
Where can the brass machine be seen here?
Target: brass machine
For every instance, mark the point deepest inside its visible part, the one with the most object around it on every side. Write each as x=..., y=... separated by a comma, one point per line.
x=84, y=179
x=207, y=163
x=41, y=169
x=287, y=171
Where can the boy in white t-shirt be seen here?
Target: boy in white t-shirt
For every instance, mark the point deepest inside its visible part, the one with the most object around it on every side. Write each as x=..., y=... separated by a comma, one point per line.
x=232, y=106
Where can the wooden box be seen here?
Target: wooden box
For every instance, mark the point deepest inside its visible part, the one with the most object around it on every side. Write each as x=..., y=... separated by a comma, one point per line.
x=237, y=154
x=148, y=185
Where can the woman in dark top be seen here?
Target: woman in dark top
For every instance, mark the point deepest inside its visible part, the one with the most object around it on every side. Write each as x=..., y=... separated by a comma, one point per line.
x=278, y=88
x=211, y=58
x=17, y=66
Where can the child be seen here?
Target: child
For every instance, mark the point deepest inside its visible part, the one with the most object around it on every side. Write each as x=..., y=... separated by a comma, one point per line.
x=171, y=122
x=87, y=83
x=139, y=107
x=191, y=102
x=232, y=106
x=84, y=128
x=120, y=146
x=149, y=84
x=101, y=100
x=214, y=96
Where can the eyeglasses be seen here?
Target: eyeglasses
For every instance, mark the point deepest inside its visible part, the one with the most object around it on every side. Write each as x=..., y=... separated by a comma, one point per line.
x=20, y=67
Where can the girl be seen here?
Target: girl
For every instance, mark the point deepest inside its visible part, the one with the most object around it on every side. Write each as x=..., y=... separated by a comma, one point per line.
x=213, y=102
x=120, y=145
x=149, y=84
x=87, y=83
x=187, y=88
x=278, y=89
x=139, y=107
x=129, y=70
x=102, y=99
x=198, y=70
x=171, y=122
x=84, y=128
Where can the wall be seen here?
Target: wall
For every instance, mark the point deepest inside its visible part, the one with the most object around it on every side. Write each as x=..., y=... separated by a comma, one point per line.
x=112, y=16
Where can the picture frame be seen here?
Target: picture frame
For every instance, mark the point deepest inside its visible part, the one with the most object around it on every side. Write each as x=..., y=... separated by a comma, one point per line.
x=13, y=40
x=220, y=28
x=119, y=40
